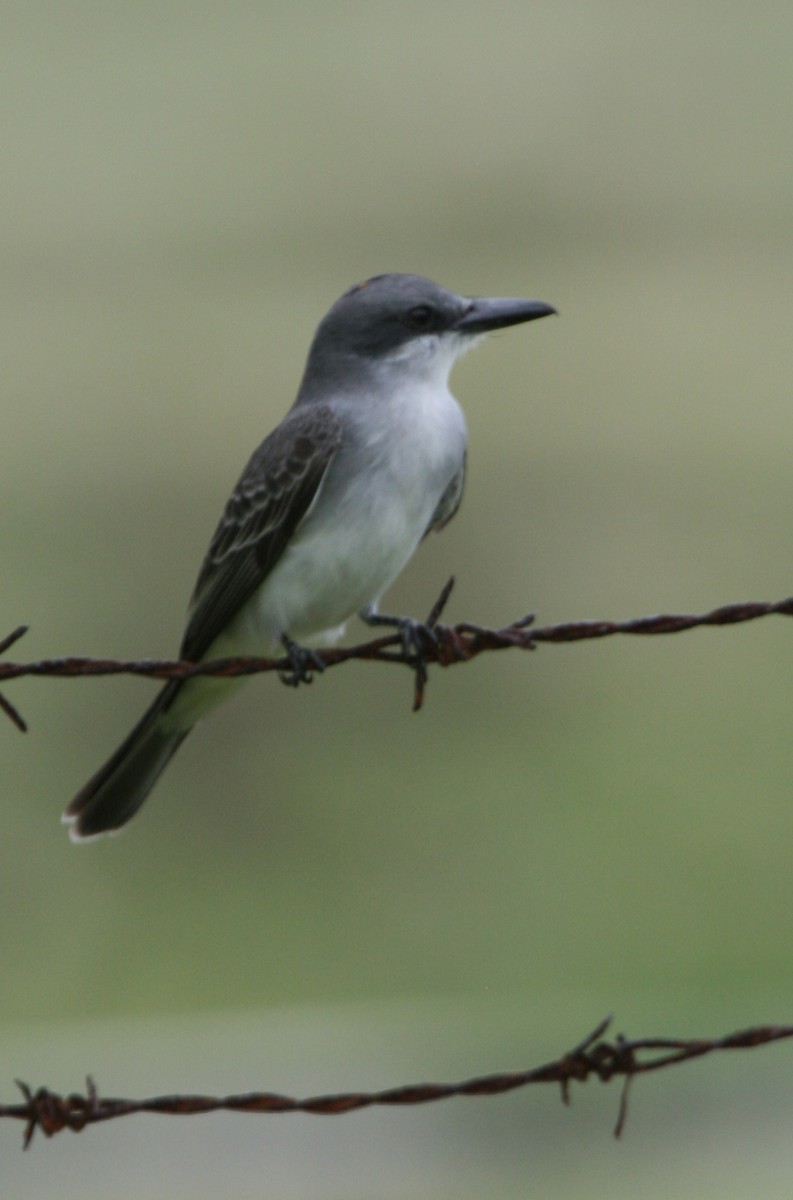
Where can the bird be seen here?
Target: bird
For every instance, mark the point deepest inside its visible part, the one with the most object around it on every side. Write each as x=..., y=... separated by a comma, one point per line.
x=329, y=509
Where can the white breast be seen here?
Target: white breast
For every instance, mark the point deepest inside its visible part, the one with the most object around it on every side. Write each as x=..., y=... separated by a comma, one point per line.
x=398, y=457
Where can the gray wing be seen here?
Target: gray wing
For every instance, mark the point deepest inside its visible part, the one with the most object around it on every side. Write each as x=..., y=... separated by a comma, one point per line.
x=448, y=503
x=274, y=493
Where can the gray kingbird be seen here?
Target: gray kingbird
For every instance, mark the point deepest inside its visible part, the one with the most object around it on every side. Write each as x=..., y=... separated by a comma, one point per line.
x=331, y=506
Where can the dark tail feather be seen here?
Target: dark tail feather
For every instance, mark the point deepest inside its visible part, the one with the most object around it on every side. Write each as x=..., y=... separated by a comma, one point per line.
x=115, y=793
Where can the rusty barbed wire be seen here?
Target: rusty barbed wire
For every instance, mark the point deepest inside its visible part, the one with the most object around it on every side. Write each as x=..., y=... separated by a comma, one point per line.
x=594, y=1056
x=441, y=644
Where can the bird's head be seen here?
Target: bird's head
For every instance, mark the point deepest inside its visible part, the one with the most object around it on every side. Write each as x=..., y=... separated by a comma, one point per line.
x=407, y=323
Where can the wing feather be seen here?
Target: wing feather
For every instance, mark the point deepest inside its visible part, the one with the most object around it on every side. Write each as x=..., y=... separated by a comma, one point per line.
x=274, y=493
x=449, y=502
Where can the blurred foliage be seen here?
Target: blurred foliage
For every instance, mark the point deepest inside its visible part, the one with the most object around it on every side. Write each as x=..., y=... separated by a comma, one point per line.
x=186, y=190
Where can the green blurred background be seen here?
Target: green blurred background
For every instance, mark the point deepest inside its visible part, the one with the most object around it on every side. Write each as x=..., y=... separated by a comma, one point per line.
x=328, y=892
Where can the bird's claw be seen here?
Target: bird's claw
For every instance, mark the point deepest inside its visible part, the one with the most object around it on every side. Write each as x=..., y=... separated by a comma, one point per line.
x=302, y=663
x=417, y=640
x=415, y=637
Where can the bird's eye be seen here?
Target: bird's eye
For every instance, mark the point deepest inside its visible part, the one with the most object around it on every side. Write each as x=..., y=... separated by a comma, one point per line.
x=420, y=317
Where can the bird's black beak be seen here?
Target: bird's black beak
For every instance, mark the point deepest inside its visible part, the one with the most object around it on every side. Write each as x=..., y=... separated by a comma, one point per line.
x=484, y=314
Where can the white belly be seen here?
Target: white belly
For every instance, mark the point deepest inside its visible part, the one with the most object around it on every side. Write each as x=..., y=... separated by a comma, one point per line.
x=372, y=510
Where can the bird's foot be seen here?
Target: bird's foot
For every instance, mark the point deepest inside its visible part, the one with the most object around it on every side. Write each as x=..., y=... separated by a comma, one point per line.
x=302, y=663
x=415, y=636
x=421, y=641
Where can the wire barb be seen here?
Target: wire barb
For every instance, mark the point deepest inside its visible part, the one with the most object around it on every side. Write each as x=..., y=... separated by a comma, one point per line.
x=6, y=706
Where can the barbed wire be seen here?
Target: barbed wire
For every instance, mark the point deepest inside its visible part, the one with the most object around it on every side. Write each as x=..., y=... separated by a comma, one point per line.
x=443, y=645
x=439, y=644
x=594, y=1056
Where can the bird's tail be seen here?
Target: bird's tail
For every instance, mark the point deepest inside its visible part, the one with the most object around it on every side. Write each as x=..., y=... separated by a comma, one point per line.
x=115, y=793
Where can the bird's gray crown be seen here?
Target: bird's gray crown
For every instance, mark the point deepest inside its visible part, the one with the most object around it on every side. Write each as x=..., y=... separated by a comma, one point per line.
x=374, y=318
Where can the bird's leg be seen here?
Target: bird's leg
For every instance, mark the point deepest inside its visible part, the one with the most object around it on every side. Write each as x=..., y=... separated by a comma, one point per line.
x=414, y=635
x=416, y=638
x=302, y=661
x=419, y=637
